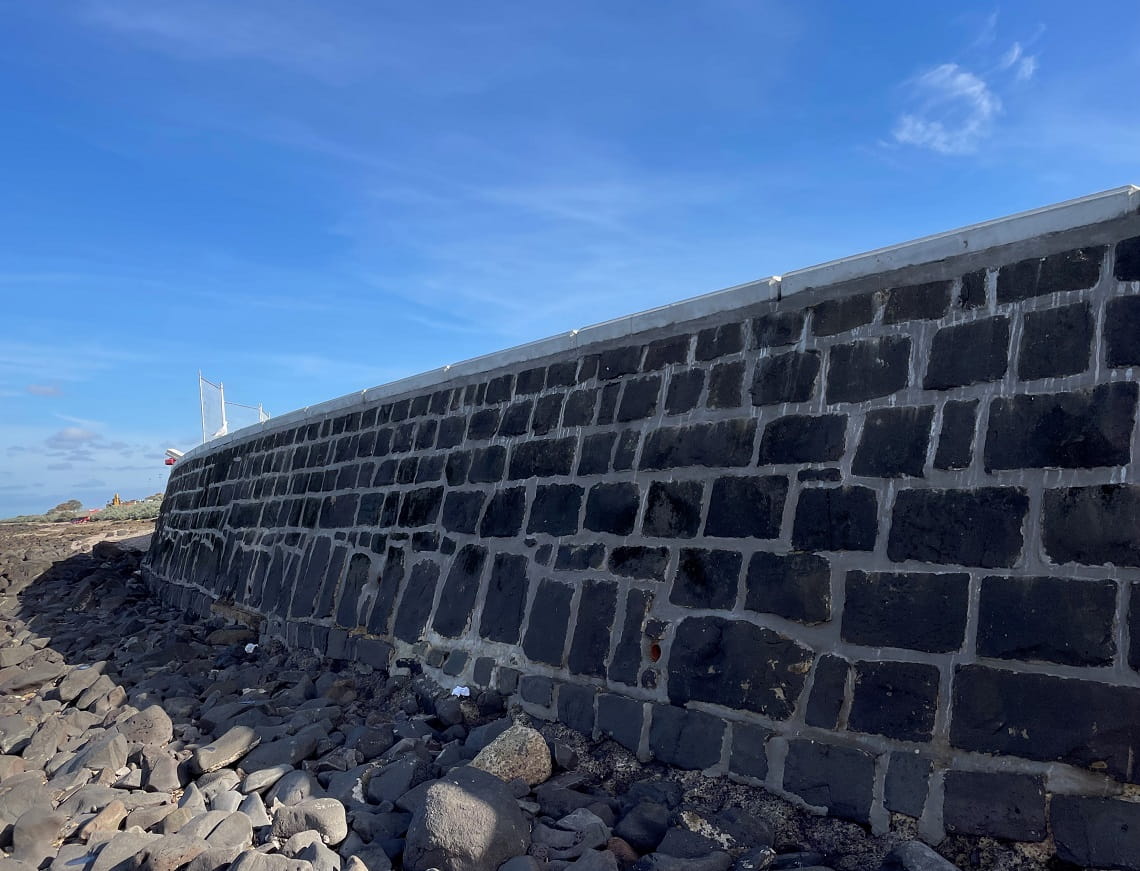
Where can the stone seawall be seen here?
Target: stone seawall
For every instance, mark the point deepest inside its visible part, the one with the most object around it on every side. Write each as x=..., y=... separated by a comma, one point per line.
x=868, y=535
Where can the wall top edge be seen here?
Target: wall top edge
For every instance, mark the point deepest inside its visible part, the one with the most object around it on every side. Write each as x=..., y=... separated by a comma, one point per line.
x=1071, y=214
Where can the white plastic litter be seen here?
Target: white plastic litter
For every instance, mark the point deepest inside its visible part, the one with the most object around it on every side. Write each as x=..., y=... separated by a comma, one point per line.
x=250, y=648
x=462, y=692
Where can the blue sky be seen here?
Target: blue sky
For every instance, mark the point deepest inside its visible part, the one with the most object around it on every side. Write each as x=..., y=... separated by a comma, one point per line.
x=305, y=199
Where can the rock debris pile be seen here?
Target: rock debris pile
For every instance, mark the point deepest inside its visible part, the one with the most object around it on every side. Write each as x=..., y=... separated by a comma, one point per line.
x=136, y=738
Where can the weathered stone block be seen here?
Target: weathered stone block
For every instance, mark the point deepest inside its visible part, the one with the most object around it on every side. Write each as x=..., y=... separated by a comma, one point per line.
x=1061, y=620
x=684, y=391
x=956, y=442
x=1055, y=342
x=612, y=507
x=626, y=661
x=716, y=342
x=576, y=707
x=894, y=442
x=1085, y=723
x=842, y=314
x=896, y=699
x=639, y=399
x=461, y=510
x=549, y=617
x=995, y=805
x=748, y=755
x=827, y=692
x=865, y=370
x=802, y=438
x=504, y=515
x=913, y=610
x=1081, y=429
x=1092, y=525
x=416, y=602
x=725, y=383
x=687, y=739
x=836, y=518
x=959, y=527
x=796, y=586
x=580, y=407
x=626, y=451
x=536, y=689
x=484, y=424
x=530, y=381
x=738, y=665
x=1057, y=273
x=457, y=600
x=506, y=599
x=778, y=328
x=928, y=301
x=706, y=578
x=722, y=444
x=1134, y=627
x=907, y=783
x=499, y=389
x=1126, y=266
x=547, y=411
x=487, y=465
x=516, y=419
x=621, y=718
x=555, y=509
x=665, y=352
x=580, y=557
x=339, y=511
x=787, y=377
x=564, y=374
x=1122, y=331
x=1096, y=832
x=421, y=507
x=634, y=561
x=542, y=458
x=673, y=509
x=968, y=354
x=840, y=779
x=617, y=362
x=591, y=641
x=746, y=507
x=607, y=404
x=597, y=449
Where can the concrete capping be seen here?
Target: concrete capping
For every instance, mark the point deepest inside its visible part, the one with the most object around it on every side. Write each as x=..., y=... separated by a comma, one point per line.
x=1071, y=214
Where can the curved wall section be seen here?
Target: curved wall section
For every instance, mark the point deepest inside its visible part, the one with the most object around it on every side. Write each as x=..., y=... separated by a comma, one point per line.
x=873, y=543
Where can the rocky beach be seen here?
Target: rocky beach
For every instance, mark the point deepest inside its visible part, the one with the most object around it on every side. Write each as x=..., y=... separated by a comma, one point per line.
x=133, y=737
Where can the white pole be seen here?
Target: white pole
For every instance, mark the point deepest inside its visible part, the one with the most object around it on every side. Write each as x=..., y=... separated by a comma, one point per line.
x=202, y=405
x=225, y=424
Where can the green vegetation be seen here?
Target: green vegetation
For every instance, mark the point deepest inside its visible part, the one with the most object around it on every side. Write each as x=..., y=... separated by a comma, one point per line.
x=145, y=509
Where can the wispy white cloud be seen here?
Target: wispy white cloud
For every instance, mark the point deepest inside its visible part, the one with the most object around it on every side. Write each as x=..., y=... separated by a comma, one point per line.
x=954, y=111
x=44, y=390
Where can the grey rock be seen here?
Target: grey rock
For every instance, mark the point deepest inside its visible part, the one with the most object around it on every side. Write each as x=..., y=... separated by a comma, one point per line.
x=467, y=827
x=294, y=787
x=226, y=801
x=74, y=857
x=102, y=686
x=217, y=782
x=107, y=752
x=324, y=815
x=15, y=655
x=213, y=859
x=644, y=827
x=170, y=852
x=915, y=856
x=150, y=727
x=371, y=858
x=44, y=744
x=16, y=731
x=262, y=779
x=685, y=844
x=481, y=736
x=397, y=778
x=19, y=679
x=319, y=856
x=798, y=859
x=34, y=833
x=595, y=860
x=719, y=861
x=371, y=741
x=118, y=852
x=163, y=774
x=226, y=750
x=521, y=863
x=254, y=808
x=284, y=751
x=193, y=800
x=78, y=680
x=756, y=859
